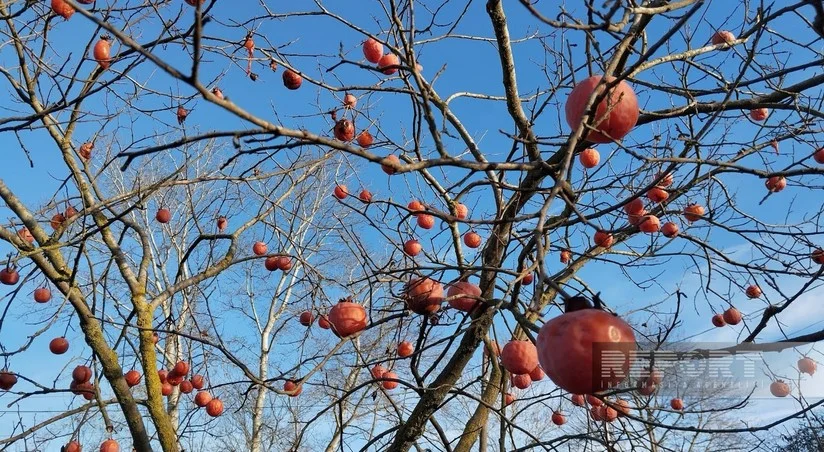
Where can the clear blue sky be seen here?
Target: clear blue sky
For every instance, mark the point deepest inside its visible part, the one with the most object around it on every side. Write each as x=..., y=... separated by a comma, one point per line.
x=467, y=66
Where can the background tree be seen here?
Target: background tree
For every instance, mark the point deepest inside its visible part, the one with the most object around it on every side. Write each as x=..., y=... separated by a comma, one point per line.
x=152, y=145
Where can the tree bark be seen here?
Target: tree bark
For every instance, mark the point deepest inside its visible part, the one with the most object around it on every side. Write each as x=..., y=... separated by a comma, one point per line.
x=163, y=424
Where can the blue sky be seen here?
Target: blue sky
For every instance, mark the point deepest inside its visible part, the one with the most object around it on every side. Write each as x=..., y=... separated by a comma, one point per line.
x=460, y=65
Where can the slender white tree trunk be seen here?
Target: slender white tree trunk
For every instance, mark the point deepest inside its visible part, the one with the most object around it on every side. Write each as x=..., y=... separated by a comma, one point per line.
x=260, y=399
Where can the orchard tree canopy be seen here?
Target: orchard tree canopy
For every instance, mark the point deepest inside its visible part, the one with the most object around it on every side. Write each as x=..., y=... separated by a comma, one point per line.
x=409, y=225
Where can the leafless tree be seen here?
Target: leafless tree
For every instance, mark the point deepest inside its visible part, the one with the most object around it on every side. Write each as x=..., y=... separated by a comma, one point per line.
x=242, y=119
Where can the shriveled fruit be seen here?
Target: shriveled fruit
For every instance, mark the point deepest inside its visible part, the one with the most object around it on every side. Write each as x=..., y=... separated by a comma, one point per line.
x=85, y=150
x=779, y=388
x=365, y=139
x=423, y=295
x=347, y=318
x=102, y=52
x=594, y=401
x=377, y=371
x=718, y=320
x=259, y=248
x=42, y=295
x=163, y=215
x=372, y=50
x=344, y=130
x=110, y=445
x=461, y=211
x=57, y=220
x=291, y=79
x=522, y=381
x=81, y=374
x=807, y=366
x=389, y=384
x=634, y=207
x=665, y=181
x=649, y=224
x=386, y=63
x=472, y=239
x=284, y=263
x=390, y=160
x=509, y=399
x=181, y=368
x=537, y=374
x=365, y=195
x=759, y=114
x=292, y=388
x=519, y=357
x=405, y=349
x=416, y=206
x=753, y=291
x=175, y=379
x=578, y=399
x=732, y=316
x=9, y=276
x=7, y=380
x=59, y=345
x=340, y=191
x=87, y=390
x=657, y=194
x=589, y=158
x=25, y=235
x=425, y=221
x=527, y=279
x=62, y=9
x=818, y=256
x=569, y=345
x=412, y=247
x=463, y=295
x=603, y=239
x=818, y=155
x=776, y=183
x=669, y=229
x=306, y=318
x=566, y=256
x=693, y=212
x=723, y=37
x=198, y=381
x=350, y=101
x=202, y=398
x=677, y=404
x=214, y=408
x=132, y=378
x=614, y=116
x=222, y=223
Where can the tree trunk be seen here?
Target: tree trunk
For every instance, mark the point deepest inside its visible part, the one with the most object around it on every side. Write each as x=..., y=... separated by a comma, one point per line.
x=260, y=398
